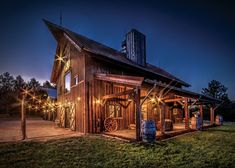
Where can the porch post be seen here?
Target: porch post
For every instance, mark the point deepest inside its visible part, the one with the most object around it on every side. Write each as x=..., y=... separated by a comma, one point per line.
x=162, y=118
x=138, y=114
x=201, y=114
x=186, y=113
x=212, y=116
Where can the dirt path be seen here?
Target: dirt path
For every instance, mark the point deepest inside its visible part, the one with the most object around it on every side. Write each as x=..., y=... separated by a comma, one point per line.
x=37, y=129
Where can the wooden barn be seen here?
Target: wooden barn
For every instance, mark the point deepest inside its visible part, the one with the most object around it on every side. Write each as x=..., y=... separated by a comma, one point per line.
x=102, y=90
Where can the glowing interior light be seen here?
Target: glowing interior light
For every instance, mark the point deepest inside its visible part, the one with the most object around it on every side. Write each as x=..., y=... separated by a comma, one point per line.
x=152, y=100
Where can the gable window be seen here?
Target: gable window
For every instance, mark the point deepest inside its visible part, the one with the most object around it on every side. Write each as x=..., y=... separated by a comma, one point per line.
x=67, y=82
x=76, y=80
x=115, y=111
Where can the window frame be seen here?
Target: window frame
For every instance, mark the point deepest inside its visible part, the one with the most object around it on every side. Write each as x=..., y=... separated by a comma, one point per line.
x=65, y=89
x=116, y=114
x=76, y=79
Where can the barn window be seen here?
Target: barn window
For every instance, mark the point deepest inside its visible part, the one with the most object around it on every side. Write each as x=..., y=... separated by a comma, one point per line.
x=67, y=79
x=115, y=111
x=76, y=80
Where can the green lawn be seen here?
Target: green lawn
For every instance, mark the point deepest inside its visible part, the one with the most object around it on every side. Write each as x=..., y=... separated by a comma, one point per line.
x=212, y=148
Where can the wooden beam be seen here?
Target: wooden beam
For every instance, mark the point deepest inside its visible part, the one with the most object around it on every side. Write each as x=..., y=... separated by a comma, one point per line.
x=162, y=118
x=201, y=114
x=115, y=95
x=123, y=105
x=121, y=79
x=150, y=91
x=173, y=100
x=138, y=115
x=212, y=118
x=181, y=103
x=186, y=112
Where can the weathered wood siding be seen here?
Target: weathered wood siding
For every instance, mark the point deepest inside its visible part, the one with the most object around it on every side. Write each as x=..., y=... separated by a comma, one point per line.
x=74, y=100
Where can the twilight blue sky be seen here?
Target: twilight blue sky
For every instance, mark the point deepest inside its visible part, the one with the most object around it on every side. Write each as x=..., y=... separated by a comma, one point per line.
x=194, y=40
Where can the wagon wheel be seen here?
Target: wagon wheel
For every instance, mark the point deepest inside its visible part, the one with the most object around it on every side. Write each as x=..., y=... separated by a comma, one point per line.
x=110, y=124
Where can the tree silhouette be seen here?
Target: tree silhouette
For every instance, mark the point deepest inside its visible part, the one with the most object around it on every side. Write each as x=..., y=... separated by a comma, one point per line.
x=217, y=90
x=33, y=85
x=7, y=90
x=47, y=84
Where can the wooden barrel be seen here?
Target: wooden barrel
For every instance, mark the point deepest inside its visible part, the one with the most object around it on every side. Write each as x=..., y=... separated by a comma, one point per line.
x=195, y=123
x=148, y=130
x=219, y=120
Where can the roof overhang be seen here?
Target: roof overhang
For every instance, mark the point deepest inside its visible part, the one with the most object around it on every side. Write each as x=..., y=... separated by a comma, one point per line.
x=120, y=79
x=109, y=59
x=185, y=93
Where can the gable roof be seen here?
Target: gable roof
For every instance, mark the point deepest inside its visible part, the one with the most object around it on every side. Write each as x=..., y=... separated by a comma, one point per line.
x=84, y=43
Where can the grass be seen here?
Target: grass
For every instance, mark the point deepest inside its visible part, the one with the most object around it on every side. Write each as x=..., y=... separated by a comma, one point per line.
x=212, y=148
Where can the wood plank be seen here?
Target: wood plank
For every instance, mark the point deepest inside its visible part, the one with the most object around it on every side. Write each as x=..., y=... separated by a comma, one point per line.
x=212, y=118
x=138, y=115
x=115, y=95
x=201, y=114
x=186, y=111
x=122, y=79
x=162, y=118
x=173, y=100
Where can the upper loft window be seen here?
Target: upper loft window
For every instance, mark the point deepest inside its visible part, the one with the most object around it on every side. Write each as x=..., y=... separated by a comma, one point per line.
x=67, y=82
x=76, y=80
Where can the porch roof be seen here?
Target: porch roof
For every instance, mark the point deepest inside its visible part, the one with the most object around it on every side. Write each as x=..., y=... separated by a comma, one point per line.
x=185, y=93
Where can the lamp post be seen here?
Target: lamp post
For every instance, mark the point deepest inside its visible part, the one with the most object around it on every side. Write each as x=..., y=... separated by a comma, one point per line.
x=23, y=119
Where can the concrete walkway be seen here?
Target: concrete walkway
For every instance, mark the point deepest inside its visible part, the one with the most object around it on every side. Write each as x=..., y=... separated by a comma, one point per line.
x=37, y=129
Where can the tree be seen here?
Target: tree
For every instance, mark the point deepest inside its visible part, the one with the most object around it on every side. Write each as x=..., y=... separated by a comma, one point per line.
x=19, y=83
x=47, y=84
x=33, y=85
x=6, y=82
x=217, y=90
x=7, y=90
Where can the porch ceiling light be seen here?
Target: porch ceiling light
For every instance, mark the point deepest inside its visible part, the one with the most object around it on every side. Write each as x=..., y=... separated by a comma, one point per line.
x=152, y=99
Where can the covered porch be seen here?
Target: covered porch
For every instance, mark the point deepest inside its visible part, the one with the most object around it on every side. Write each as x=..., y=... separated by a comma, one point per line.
x=168, y=106
x=178, y=129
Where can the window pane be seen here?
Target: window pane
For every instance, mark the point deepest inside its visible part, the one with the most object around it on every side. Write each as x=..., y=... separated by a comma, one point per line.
x=75, y=80
x=111, y=111
x=67, y=82
x=118, y=111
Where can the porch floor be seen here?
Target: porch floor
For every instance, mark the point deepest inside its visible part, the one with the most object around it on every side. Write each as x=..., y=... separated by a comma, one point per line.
x=131, y=134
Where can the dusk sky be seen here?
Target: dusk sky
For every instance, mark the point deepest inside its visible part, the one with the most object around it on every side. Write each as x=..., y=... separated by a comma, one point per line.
x=194, y=40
